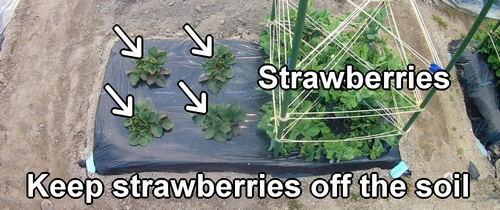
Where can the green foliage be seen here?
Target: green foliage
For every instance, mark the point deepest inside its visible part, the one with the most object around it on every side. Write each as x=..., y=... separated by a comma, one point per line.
x=149, y=68
x=355, y=196
x=217, y=68
x=145, y=124
x=370, y=48
x=490, y=48
x=220, y=122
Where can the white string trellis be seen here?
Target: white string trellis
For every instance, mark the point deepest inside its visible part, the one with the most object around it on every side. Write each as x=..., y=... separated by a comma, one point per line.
x=281, y=38
x=492, y=34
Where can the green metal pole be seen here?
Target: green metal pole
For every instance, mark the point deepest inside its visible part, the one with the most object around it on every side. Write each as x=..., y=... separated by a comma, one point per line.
x=273, y=12
x=297, y=38
x=450, y=65
x=486, y=38
x=272, y=18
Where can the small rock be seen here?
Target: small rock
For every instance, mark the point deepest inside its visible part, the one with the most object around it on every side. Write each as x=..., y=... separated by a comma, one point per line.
x=127, y=207
x=222, y=22
x=171, y=3
x=247, y=31
x=430, y=2
x=168, y=31
x=236, y=37
x=46, y=205
x=41, y=125
x=198, y=8
x=474, y=174
x=178, y=34
x=240, y=31
x=448, y=175
x=249, y=37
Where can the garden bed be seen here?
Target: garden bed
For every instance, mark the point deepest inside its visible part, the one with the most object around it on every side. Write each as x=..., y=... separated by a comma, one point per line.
x=184, y=148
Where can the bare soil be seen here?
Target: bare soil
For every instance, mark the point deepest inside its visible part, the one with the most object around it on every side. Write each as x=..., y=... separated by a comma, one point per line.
x=51, y=70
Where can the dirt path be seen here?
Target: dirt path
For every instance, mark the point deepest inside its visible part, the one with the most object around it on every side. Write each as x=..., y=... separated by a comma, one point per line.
x=51, y=69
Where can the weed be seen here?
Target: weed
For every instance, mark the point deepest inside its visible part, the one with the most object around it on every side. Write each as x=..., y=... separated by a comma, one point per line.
x=355, y=196
x=293, y=205
x=448, y=13
x=453, y=100
x=460, y=151
x=408, y=182
x=439, y=20
x=496, y=187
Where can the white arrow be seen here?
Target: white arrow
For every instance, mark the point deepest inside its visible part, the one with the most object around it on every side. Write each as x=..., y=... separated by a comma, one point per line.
x=204, y=50
x=134, y=51
x=200, y=106
x=125, y=110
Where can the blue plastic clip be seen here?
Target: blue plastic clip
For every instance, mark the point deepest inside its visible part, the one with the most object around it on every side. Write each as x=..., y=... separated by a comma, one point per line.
x=481, y=148
x=399, y=170
x=90, y=163
x=434, y=67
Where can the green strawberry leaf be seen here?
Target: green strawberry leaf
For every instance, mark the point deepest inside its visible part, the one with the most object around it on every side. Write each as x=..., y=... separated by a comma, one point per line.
x=210, y=132
x=239, y=115
x=156, y=130
x=212, y=86
x=200, y=119
x=152, y=51
x=132, y=139
x=144, y=116
x=235, y=130
x=229, y=73
x=134, y=78
x=225, y=128
x=167, y=124
x=220, y=136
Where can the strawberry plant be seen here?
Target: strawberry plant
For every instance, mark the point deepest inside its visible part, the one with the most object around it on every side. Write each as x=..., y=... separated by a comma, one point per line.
x=220, y=122
x=490, y=46
x=146, y=124
x=371, y=49
x=217, y=68
x=149, y=68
